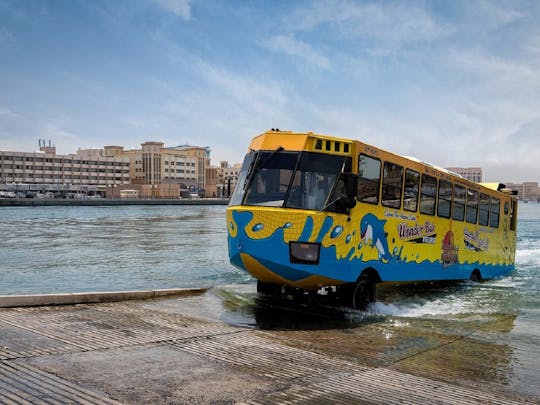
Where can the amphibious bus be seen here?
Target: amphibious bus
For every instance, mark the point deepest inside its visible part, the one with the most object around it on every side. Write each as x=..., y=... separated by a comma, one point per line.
x=314, y=213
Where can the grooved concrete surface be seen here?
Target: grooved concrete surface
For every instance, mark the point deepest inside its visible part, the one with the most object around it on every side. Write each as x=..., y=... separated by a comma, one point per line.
x=211, y=349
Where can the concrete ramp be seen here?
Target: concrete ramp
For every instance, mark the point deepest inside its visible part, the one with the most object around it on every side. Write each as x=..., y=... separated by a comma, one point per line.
x=152, y=352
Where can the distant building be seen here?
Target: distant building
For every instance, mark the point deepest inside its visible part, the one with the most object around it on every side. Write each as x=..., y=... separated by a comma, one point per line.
x=43, y=147
x=211, y=181
x=470, y=173
x=166, y=172
x=202, y=154
x=528, y=190
x=153, y=170
x=227, y=178
x=62, y=172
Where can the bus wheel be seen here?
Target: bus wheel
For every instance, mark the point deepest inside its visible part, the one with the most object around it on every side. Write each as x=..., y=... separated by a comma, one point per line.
x=358, y=295
x=364, y=292
x=475, y=276
x=268, y=288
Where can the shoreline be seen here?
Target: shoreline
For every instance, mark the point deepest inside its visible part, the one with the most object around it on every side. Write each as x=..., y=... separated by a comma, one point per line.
x=108, y=202
x=40, y=300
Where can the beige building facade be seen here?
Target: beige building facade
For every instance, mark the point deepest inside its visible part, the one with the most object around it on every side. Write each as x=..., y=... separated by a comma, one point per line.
x=166, y=172
x=469, y=173
x=528, y=190
x=45, y=167
x=227, y=178
x=153, y=171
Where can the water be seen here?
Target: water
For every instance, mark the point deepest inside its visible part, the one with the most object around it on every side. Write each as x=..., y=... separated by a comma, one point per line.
x=76, y=249
x=495, y=324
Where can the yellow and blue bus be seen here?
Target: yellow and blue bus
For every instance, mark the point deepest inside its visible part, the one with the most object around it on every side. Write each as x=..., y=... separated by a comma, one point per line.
x=312, y=212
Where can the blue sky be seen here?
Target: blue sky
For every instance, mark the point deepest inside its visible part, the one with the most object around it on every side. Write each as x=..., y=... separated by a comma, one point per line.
x=456, y=83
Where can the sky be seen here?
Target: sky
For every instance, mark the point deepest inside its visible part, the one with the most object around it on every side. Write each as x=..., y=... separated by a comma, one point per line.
x=454, y=83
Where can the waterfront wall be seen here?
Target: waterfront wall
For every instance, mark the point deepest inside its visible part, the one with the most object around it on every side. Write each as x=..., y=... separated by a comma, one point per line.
x=109, y=202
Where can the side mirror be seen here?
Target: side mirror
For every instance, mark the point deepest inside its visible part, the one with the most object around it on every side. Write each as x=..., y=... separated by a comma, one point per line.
x=351, y=184
x=348, y=202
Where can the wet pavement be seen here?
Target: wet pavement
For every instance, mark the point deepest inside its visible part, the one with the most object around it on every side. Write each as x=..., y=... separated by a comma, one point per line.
x=230, y=345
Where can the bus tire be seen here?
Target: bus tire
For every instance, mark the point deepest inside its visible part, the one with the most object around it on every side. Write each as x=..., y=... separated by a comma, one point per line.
x=364, y=292
x=358, y=295
x=476, y=276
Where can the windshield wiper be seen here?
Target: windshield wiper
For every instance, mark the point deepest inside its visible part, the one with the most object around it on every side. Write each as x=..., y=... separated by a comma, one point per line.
x=271, y=155
x=256, y=164
x=251, y=170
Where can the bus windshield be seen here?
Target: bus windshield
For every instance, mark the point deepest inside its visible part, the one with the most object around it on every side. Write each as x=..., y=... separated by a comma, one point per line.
x=303, y=180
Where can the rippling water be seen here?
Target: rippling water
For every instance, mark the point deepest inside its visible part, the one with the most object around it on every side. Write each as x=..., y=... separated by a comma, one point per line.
x=73, y=249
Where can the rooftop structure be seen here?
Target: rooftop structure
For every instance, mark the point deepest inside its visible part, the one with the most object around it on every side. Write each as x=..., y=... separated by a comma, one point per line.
x=46, y=167
x=469, y=173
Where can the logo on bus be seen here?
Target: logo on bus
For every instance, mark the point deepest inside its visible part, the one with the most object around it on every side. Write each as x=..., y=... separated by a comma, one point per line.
x=417, y=233
x=449, y=250
x=474, y=242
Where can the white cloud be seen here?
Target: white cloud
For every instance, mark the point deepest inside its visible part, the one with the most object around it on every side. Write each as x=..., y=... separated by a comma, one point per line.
x=488, y=16
x=253, y=93
x=391, y=24
x=7, y=39
x=295, y=47
x=180, y=8
x=479, y=62
x=221, y=108
x=53, y=131
x=6, y=112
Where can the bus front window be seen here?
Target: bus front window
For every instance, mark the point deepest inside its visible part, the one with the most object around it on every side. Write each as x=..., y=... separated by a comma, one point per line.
x=292, y=179
x=270, y=178
x=310, y=190
x=314, y=180
x=245, y=171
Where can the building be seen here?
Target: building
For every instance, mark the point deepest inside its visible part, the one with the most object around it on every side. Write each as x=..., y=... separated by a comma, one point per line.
x=202, y=154
x=211, y=179
x=166, y=172
x=227, y=178
x=154, y=171
x=46, y=171
x=470, y=173
x=528, y=190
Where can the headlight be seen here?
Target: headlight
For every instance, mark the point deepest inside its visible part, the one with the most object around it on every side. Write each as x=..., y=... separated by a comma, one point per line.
x=304, y=252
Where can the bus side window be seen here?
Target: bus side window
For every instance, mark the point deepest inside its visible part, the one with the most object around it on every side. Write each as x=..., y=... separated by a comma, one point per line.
x=483, y=210
x=410, y=196
x=495, y=212
x=445, y=198
x=471, y=211
x=369, y=178
x=392, y=184
x=458, y=203
x=428, y=194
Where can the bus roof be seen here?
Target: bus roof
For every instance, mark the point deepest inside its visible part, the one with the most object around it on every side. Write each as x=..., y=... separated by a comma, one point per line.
x=274, y=139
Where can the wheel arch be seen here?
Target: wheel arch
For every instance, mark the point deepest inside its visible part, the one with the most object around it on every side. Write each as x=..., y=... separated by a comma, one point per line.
x=476, y=275
x=371, y=273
